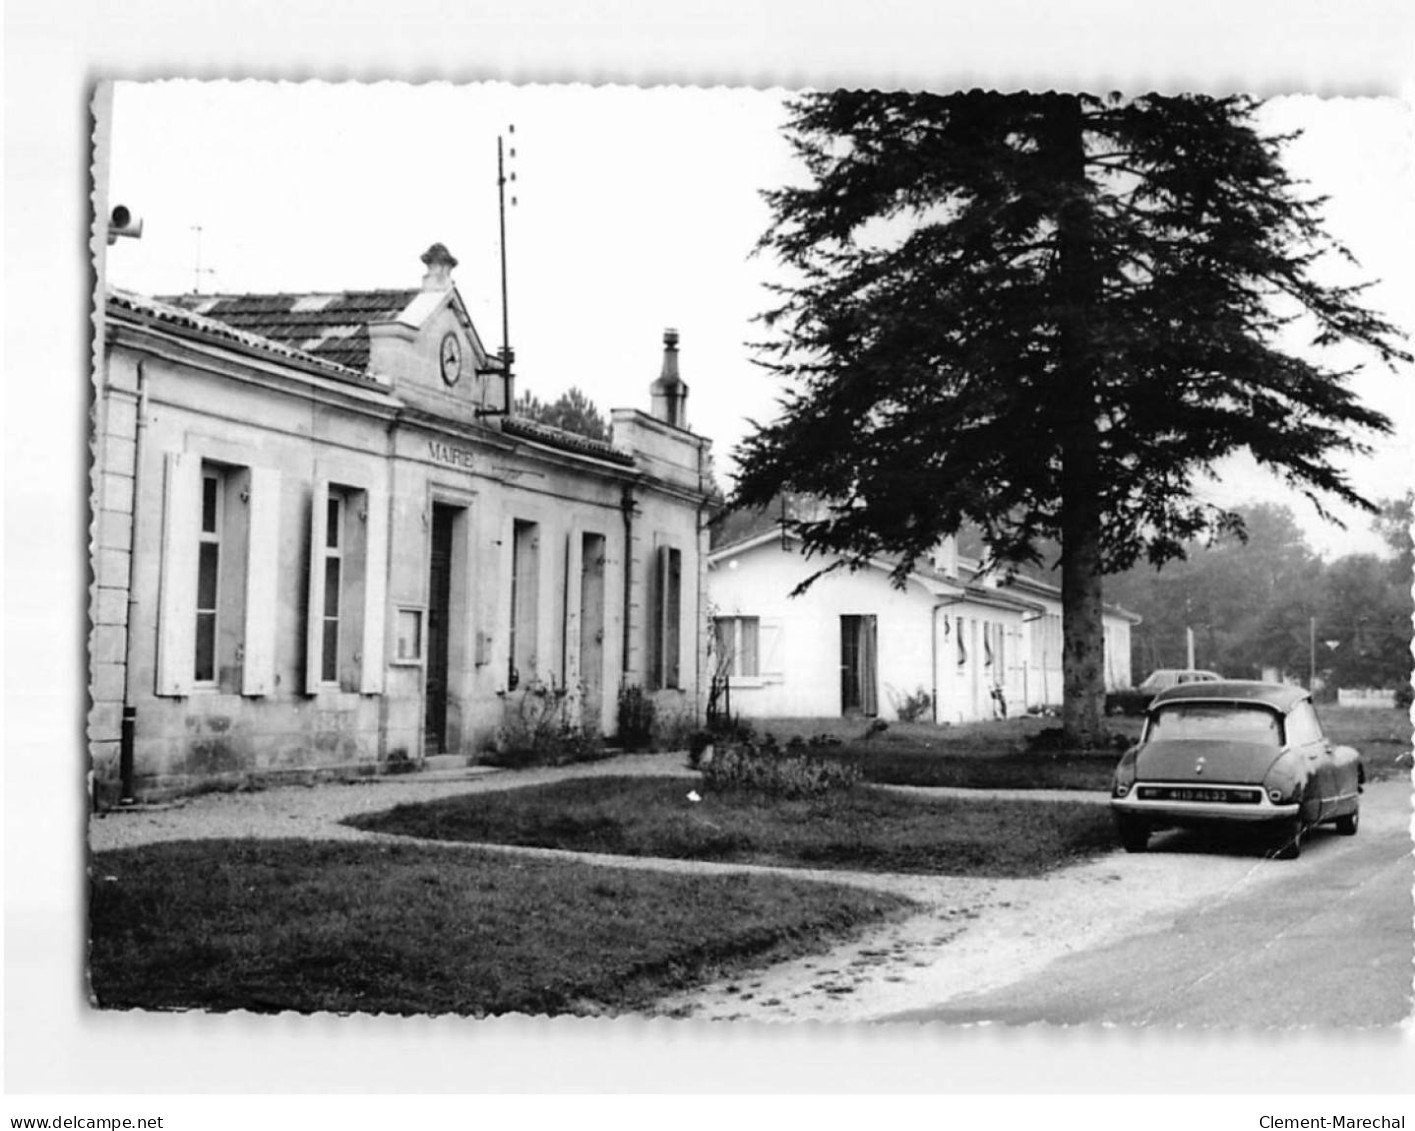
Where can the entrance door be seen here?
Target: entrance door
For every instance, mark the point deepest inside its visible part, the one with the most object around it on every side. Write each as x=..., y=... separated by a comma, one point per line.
x=439, y=603
x=859, y=666
x=592, y=633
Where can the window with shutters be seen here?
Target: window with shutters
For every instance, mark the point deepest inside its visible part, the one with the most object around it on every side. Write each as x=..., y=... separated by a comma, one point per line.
x=345, y=613
x=333, y=555
x=208, y=597
x=738, y=642
x=217, y=584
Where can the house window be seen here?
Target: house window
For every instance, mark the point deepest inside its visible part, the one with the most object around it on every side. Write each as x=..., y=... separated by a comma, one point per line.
x=333, y=588
x=219, y=556
x=208, y=577
x=664, y=626
x=346, y=625
x=738, y=646
x=525, y=603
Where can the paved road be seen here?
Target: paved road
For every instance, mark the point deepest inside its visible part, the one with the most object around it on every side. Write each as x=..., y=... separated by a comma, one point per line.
x=1324, y=940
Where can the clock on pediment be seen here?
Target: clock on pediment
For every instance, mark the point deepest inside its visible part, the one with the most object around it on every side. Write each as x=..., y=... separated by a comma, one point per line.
x=450, y=358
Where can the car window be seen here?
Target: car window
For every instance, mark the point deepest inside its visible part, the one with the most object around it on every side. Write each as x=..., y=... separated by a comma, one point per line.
x=1302, y=725
x=1238, y=722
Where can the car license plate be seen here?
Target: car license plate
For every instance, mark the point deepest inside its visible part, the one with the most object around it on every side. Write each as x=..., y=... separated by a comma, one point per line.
x=1190, y=793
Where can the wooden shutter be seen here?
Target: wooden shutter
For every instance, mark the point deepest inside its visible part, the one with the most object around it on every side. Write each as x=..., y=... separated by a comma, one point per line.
x=177, y=594
x=570, y=655
x=262, y=577
x=672, y=617
x=314, y=607
x=507, y=564
x=770, y=663
x=375, y=591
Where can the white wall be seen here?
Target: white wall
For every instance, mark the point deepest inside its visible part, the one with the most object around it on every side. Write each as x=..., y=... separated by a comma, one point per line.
x=800, y=650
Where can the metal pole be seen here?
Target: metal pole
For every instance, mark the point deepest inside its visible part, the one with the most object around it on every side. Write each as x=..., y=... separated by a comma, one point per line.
x=501, y=197
x=1312, y=653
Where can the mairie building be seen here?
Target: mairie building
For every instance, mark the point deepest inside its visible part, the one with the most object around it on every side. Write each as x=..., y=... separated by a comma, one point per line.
x=322, y=545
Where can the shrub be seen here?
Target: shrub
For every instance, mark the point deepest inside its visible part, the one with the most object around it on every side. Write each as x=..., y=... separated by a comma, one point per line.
x=674, y=732
x=1052, y=740
x=536, y=730
x=912, y=708
x=763, y=769
x=699, y=742
x=398, y=762
x=637, y=715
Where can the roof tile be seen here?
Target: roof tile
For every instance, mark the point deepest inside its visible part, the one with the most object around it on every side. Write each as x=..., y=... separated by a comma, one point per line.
x=331, y=326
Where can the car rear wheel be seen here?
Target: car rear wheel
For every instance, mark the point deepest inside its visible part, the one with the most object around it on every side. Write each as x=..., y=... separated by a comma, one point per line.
x=1289, y=846
x=1348, y=824
x=1134, y=835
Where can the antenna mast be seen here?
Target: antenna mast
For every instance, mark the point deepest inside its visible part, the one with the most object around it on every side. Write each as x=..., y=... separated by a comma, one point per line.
x=199, y=270
x=507, y=354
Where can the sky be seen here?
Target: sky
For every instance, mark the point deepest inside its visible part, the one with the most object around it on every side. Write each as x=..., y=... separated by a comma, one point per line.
x=632, y=210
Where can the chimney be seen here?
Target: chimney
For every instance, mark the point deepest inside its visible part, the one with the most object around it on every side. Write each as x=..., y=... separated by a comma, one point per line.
x=439, y=263
x=669, y=394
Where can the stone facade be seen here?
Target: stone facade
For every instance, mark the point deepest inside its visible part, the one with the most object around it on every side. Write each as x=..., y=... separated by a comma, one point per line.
x=305, y=562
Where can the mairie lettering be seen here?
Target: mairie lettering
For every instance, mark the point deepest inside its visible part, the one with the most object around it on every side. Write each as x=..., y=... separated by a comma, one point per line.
x=453, y=457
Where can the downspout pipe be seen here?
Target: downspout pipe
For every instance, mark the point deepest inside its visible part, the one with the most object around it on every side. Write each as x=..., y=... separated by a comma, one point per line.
x=127, y=734
x=627, y=507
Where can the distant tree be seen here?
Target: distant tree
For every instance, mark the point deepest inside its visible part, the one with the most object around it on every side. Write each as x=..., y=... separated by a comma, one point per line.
x=1363, y=624
x=1046, y=314
x=1248, y=599
x=573, y=411
x=1393, y=524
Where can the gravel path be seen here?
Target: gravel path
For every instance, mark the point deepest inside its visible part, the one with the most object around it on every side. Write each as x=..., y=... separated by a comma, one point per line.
x=969, y=933
x=315, y=811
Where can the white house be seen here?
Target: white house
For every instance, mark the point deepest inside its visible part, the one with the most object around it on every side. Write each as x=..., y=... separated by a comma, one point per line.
x=853, y=644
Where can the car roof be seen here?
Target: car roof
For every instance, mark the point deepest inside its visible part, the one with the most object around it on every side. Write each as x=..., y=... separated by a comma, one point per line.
x=1280, y=696
x=1185, y=671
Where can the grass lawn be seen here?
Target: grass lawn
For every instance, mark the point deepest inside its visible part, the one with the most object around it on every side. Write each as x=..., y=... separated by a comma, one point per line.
x=991, y=755
x=1382, y=737
x=313, y=926
x=862, y=829
x=998, y=755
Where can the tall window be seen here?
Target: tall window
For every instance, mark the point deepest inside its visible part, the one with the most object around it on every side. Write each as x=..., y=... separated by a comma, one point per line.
x=664, y=641
x=525, y=603
x=333, y=588
x=344, y=637
x=219, y=555
x=208, y=594
x=738, y=646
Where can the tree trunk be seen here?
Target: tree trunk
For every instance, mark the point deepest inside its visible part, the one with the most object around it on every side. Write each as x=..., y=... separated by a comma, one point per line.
x=1078, y=292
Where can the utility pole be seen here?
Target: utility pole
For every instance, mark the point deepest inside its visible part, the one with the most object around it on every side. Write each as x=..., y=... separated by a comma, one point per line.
x=1312, y=654
x=507, y=354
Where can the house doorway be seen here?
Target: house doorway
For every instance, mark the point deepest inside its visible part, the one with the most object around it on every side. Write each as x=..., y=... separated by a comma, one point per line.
x=859, y=666
x=439, y=608
x=592, y=633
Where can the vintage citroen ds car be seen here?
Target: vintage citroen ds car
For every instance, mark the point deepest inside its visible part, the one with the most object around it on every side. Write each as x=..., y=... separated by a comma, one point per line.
x=1233, y=751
